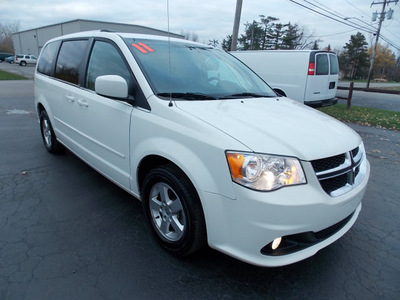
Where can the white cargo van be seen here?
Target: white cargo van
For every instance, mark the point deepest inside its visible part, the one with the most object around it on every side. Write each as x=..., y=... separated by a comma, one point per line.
x=307, y=76
x=213, y=154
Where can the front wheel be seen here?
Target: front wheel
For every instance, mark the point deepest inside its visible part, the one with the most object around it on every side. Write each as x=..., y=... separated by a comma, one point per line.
x=48, y=135
x=173, y=209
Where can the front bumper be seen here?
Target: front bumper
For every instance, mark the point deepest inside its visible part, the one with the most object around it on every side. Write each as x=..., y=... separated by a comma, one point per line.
x=322, y=103
x=243, y=227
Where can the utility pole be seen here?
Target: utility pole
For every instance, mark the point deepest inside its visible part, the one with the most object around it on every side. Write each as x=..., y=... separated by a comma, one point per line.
x=236, y=24
x=381, y=19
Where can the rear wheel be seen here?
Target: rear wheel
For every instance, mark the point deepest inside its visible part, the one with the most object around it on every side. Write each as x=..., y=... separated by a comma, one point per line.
x=173, y=209
x=23, y=63
x=48, y=135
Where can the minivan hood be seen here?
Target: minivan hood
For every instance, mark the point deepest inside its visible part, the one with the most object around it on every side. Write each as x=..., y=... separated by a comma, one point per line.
x=276, y=126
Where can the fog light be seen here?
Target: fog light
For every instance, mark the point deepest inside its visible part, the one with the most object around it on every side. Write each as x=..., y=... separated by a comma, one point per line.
x=276, y=243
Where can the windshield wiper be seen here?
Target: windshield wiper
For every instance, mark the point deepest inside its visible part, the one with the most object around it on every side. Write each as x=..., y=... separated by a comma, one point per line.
x=240, y=95
x=187, y=96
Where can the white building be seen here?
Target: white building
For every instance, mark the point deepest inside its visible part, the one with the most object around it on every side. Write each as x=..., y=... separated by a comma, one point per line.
x=31, y=41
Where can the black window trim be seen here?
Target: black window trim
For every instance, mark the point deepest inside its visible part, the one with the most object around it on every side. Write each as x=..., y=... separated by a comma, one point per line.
x=134, y=86
x=140, y=99
x=84, y=58
x=53, y=65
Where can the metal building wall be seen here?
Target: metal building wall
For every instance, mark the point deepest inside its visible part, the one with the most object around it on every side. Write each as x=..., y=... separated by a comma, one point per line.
x=32, y=41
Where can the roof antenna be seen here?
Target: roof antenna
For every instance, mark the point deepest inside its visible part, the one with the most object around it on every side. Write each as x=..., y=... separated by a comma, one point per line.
x=169, y=59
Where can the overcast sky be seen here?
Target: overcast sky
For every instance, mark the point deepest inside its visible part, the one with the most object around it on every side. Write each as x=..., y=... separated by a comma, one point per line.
x=209, y=19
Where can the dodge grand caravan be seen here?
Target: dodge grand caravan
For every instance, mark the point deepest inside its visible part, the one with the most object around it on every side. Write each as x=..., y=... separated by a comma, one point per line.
x=213, y=154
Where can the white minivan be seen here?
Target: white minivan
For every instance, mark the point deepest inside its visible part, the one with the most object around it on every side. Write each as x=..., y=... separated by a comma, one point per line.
x=215, y=156
x=307, y=76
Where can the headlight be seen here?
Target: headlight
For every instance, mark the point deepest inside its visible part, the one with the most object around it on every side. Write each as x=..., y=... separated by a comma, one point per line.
x=264, y=172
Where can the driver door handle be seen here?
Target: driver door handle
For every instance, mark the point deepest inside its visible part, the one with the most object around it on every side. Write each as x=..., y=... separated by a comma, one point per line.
x=82, y=103
x=70, y=98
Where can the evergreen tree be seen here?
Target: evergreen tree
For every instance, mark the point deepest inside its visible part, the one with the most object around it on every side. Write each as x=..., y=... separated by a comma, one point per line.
x=213, y=42
x=226, y=43
x=292, y=37
x=278, y=35
x=253, y=37
x=354, y=60
x=268, y=24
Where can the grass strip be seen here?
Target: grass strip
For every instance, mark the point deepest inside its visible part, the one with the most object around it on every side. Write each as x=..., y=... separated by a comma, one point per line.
x=372, y=117
x=10, y=76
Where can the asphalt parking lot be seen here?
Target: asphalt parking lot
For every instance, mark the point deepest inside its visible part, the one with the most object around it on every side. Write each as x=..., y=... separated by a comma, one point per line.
x=66, y=232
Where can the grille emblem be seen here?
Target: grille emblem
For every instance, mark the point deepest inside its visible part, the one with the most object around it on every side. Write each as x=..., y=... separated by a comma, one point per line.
x=337, y=174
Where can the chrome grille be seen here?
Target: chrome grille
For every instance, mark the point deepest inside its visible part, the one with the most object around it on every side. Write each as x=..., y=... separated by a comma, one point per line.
x=340, y=173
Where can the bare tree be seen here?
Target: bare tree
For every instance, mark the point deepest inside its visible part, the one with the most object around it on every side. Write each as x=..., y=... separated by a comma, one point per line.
x=306, y=40
x=6, y=31
x=190, y=36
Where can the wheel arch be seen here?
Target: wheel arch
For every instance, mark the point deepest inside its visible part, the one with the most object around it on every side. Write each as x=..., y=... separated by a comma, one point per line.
x=207, y=170
x=39, y=108
x=147, y=164
x=280, y=91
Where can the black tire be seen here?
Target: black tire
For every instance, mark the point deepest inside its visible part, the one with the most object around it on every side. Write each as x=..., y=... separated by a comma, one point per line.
x=280, y=92
x=48, y=135
x=23, y=63
x=173, y=209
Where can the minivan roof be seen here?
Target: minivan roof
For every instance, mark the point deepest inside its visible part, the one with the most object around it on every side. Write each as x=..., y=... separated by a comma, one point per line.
x=105, y=33
x=297, y=51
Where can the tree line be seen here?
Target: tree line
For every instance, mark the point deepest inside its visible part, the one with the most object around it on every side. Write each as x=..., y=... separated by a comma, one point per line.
x=6, y=31
x=269, y=34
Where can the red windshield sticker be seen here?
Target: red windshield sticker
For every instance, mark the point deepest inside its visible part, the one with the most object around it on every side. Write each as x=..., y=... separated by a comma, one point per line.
x=140, y=48
x=143, y=47
x=146, y=47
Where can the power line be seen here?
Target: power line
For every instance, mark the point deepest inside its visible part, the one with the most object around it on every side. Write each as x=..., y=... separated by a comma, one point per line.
x=326, y=9
x=357, y=8
x=389, y=42
x=329, y=17
x=338, y=33
x=338, y=15
x=348, y=23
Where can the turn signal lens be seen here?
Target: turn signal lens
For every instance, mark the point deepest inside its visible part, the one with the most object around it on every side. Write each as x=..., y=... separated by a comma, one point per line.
x=235, y=162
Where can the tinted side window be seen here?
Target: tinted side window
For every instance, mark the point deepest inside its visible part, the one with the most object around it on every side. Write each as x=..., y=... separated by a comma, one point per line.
x=69, y=60
x=334, y=64
x=322, y=64
x=105, y=60
x=47, y=58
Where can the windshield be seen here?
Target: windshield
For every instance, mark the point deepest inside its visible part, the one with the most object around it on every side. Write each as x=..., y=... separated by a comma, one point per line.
x=195, y=72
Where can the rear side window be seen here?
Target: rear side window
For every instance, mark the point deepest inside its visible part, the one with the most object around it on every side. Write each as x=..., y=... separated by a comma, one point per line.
x=69, y=60
x=105, y=60
x=334, y=64
x=47, y=58
x=322, y=67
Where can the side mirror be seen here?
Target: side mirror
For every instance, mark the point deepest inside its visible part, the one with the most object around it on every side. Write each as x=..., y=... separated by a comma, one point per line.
x=112, y=86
